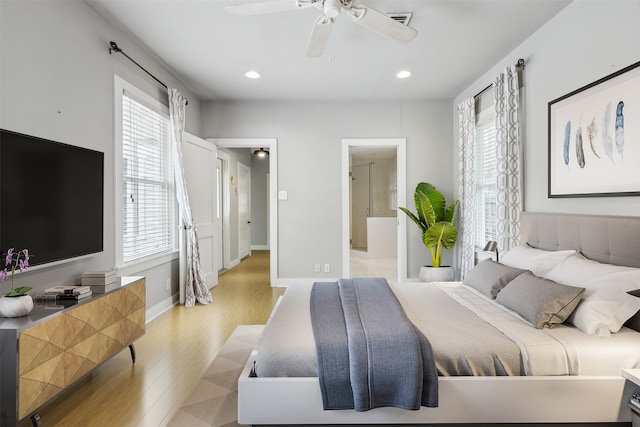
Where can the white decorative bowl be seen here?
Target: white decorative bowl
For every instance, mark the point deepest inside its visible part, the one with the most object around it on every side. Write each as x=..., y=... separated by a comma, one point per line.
x=16, y=306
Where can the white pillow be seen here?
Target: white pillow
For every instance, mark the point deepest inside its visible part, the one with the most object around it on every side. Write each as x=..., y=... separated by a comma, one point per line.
x=538, y=261
x=605, y=304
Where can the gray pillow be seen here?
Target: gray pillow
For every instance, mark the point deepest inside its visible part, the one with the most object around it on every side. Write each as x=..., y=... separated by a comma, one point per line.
x=542, y=302
x=489, y=277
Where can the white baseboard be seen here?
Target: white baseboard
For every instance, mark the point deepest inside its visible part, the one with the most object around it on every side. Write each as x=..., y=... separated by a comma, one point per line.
x=260, y=247
x=163, y=306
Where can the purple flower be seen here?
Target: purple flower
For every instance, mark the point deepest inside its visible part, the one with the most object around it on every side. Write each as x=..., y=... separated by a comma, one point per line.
x=9, y=257
x=26, y=256
x=3, y=274
x=23, y=265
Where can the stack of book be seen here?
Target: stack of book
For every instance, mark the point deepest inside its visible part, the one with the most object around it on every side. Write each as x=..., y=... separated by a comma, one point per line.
x=69, y=292
x=100, y=281
x=635, y=401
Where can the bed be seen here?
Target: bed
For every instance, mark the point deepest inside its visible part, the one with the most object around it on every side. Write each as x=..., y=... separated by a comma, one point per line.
x=585, y=387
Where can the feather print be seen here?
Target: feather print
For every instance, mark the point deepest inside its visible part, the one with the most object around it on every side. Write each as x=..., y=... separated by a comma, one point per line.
x=567, y=140
x=620, y=129
x=579, y=149
x=606, y=139
x=592, y=130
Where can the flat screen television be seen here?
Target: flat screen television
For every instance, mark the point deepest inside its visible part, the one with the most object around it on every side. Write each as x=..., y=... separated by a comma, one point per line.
x=51, y=198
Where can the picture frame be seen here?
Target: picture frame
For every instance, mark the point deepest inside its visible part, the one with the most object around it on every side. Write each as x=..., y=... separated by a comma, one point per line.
x=594, y=138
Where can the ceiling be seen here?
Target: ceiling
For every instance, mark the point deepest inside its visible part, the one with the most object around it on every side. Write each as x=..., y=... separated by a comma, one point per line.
x=210, y=49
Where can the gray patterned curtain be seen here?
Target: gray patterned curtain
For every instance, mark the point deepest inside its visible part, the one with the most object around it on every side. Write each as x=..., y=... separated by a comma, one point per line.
x=509, y=194
x=195, y=285
x=467, y=204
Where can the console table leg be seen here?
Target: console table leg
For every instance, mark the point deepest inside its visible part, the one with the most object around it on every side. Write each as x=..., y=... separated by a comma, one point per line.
x=35, y=420
x=132, y=349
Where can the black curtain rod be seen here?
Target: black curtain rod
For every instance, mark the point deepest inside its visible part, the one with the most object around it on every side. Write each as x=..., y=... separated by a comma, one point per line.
x=519, y=66
x=113, y=47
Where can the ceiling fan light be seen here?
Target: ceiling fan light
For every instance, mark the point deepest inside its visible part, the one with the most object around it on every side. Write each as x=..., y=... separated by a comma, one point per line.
x=403, y=74
x=252, y=74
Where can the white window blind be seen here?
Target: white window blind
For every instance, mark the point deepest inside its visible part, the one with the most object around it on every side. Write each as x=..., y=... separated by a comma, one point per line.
x=486, y=177
x=147, y=181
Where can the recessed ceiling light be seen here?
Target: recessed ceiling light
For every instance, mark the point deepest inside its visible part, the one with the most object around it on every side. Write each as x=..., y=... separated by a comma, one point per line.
x=252, y=74
x=403, y=74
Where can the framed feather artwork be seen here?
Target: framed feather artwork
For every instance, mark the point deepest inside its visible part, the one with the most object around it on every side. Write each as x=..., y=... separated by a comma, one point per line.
x=594, y=138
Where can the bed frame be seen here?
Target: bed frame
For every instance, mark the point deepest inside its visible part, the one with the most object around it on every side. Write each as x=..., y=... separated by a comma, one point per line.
x=548, y=399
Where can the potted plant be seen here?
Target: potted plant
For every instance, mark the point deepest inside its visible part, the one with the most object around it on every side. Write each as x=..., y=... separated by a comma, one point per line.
x=435, y=220
x=17, y=302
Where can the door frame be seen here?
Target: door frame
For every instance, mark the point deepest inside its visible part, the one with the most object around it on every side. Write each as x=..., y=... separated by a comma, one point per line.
x=401, y=180
x=226, y=227
x=272, y=145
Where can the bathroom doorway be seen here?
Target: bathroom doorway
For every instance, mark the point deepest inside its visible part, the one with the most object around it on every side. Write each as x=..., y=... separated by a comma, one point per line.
x=374, y=239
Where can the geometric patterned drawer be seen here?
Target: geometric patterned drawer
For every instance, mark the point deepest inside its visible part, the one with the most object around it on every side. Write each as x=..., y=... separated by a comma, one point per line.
x=57, y=352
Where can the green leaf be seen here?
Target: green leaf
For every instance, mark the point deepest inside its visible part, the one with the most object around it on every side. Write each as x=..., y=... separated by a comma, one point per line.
x=18, y=292
x=435, y=198
x=442, y=233
x=450, y=212
x=413, y=218
x=425, y=209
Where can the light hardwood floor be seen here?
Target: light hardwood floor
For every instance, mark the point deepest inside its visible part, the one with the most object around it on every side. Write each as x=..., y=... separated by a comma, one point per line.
x=171, y=356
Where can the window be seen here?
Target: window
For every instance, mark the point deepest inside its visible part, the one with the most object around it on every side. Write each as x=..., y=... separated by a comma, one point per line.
x=146, y=191
x=486, y=177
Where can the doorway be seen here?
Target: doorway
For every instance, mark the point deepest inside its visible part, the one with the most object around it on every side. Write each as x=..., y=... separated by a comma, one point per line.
x=271, y=145
x=374, y=177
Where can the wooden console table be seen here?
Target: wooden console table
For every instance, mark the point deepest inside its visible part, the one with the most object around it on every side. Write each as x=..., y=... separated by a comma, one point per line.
x=49, y=350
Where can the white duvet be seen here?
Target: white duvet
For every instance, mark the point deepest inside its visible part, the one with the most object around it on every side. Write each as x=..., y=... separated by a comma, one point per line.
x=287, y=348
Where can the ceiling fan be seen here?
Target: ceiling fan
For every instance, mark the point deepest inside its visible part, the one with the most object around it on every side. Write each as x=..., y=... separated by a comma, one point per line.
x=365, y=16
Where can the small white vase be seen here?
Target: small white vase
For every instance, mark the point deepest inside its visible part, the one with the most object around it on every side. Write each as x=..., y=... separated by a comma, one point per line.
x=16, y=306
x=436, y=274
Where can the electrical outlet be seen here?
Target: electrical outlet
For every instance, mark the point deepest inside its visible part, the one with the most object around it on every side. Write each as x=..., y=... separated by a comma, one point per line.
x=167, y=285
x=327, y=268
x=317, y=268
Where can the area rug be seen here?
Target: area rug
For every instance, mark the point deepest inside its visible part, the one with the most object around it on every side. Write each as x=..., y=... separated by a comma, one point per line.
x=214, y=401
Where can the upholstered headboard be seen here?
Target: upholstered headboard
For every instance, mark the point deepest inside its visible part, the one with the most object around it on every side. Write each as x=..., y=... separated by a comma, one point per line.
x=609, y=239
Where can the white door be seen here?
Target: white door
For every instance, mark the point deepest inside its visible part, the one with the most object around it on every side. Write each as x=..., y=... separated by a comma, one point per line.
x=244, y=210
x=219, y=235
x=200, y=160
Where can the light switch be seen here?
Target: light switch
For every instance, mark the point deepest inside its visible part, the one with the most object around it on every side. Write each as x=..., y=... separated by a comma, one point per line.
x=282, y=195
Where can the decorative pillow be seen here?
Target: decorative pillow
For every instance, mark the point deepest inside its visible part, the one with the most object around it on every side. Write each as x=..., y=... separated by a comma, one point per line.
x=541, y=301
x=489, y=277
x=538, y=261
x=605, y=306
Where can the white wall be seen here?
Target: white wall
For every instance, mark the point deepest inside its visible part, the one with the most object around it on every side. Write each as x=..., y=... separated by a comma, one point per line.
x=588, y=40
x=309, y=136
x=259, y=202
x=56, y=82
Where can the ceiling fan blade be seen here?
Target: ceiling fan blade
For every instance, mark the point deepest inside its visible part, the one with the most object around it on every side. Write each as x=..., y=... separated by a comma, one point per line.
x=319, y=37
x=380, y=23
x=265, y=7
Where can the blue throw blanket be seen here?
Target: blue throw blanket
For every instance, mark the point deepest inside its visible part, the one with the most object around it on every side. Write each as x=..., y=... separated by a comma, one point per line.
x=369, y=354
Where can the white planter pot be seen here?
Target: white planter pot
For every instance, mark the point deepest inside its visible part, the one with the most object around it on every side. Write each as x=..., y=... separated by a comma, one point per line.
x=436, y=274
x=16, y=306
